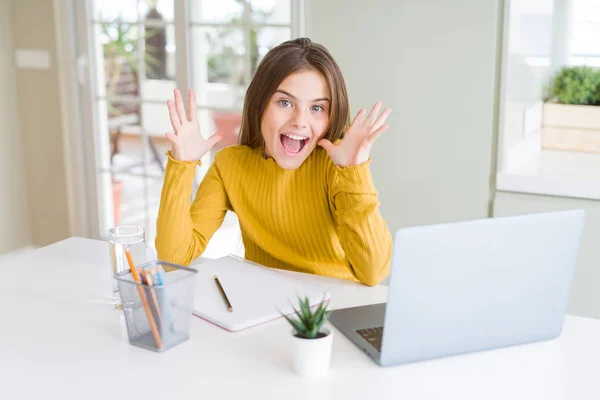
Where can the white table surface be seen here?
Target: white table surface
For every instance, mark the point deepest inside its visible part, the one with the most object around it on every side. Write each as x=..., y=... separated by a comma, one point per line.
x=61, y=338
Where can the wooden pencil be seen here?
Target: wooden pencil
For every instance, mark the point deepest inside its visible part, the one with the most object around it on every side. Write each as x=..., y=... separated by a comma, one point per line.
x=136, y=279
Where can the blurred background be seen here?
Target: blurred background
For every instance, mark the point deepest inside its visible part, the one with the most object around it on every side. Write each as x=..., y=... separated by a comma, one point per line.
x=496, y=107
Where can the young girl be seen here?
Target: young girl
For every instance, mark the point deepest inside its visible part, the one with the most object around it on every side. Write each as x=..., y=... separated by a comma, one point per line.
x=299, y=180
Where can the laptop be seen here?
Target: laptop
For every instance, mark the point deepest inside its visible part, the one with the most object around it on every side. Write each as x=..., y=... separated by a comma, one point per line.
x=469, y=286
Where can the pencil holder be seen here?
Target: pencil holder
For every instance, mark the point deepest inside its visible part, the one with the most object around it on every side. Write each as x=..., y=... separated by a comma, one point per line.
x=158, y=311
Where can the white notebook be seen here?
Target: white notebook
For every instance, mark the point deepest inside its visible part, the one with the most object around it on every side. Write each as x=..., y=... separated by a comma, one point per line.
x=256, y=293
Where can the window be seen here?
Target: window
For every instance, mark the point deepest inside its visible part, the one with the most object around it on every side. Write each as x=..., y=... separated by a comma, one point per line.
x=546, y=147
x=221, y=32
x=143, y=50
x=585, y=36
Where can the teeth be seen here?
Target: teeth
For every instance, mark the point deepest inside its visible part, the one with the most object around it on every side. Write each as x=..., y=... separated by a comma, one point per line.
x=294, y=137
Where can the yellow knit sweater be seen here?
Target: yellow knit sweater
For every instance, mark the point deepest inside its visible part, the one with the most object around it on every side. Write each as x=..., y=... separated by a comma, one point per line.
x=319, y=218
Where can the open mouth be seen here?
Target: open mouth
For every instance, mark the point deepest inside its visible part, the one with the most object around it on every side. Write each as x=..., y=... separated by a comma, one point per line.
x=292, y=144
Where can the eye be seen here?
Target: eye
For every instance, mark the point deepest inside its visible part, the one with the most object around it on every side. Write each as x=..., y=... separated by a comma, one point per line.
x=317, y=108
x=285, y=103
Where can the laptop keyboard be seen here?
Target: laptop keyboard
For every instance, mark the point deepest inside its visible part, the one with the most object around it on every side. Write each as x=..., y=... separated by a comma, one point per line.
x=373, y=336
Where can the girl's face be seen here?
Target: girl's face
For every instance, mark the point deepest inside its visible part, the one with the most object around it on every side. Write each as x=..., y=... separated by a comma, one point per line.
x=296, y=118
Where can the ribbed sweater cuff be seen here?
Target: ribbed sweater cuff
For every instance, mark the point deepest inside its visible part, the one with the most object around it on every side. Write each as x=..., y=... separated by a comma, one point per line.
x=355, y=179
x=185, y=163
x=179, y=174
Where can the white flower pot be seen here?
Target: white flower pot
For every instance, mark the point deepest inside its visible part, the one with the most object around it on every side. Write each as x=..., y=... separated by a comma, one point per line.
x=311, y=356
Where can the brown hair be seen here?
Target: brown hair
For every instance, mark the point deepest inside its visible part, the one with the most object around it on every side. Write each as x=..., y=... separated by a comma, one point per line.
x=285, y=59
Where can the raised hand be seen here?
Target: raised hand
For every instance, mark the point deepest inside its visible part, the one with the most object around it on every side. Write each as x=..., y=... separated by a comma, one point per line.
x=355, y=147
x=187, y=144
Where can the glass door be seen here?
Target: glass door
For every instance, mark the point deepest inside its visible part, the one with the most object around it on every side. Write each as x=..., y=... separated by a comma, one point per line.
x=139, y=52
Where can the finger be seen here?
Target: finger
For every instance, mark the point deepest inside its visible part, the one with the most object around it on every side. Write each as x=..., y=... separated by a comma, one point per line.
x=381, y=119
x=372, y=115
x=175, y=122
x=357, y=121
x=326, y=144
x=214, y=139
x=373, y=136
x=180, y=107
x=192, y=113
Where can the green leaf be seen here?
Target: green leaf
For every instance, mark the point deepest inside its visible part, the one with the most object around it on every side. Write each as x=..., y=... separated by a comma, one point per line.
x=296, y=311
x=310, y=313
x=320, y=310
x=297, y=325
x=325, y=318
x=577, y=85
x=319, y=313
x=305, y=311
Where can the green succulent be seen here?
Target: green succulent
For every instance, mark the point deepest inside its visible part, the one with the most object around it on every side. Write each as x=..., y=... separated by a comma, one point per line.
x=308, y=323
x=577, y=85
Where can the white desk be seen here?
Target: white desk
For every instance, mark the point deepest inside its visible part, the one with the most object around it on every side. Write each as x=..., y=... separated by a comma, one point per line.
x=61, y=338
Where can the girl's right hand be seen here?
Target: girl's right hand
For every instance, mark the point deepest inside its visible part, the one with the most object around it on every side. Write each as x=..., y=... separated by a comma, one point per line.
x=187, y=142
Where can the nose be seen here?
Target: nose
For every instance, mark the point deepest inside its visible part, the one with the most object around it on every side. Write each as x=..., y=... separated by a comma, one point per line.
x=299, y=118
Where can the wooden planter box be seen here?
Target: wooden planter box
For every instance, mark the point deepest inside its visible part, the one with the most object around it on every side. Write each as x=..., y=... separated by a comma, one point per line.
x=571, y=127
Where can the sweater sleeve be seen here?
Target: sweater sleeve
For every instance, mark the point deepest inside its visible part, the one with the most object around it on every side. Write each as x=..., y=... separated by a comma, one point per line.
x=183, y=230
x=362, y=231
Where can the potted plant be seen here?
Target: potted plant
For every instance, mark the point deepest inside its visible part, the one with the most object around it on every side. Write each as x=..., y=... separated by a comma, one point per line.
x=571, y=119
x=311, y=344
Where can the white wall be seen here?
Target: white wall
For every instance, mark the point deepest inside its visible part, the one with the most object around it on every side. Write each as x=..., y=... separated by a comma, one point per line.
x=38, y=107
x=585, y=297
x=14, y=215
x=434, y=63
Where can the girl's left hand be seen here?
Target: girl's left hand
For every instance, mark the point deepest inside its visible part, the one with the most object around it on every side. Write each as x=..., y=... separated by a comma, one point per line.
x=355, y=147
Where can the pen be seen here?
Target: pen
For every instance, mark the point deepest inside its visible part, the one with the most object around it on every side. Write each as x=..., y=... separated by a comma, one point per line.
x=229, y=306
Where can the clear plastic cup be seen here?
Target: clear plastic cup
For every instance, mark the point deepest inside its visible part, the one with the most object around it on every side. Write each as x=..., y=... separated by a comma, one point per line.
x=120, y=239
